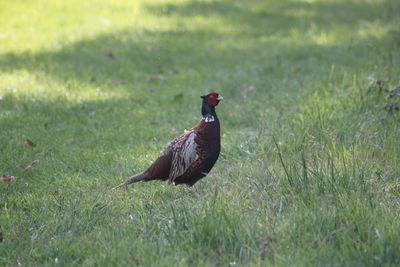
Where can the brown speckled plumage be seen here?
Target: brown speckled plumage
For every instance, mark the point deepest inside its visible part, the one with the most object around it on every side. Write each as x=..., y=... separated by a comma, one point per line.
x=189, y=157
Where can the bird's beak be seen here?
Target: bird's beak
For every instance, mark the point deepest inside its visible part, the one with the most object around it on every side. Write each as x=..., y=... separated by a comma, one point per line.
x=219, y=98
x=203, y=96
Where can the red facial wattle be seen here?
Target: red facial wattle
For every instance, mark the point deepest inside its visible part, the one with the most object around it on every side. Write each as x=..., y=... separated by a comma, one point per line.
x=213, y=99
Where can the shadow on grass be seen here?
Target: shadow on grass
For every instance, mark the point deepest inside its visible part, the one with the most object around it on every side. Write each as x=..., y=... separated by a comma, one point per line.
x=279, y=17
x=131, y=58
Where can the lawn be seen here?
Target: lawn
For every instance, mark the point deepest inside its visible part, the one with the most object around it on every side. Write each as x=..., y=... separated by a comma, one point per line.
x=92, y=91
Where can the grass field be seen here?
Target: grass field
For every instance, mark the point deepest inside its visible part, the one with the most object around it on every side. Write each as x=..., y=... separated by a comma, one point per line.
x=309, y=173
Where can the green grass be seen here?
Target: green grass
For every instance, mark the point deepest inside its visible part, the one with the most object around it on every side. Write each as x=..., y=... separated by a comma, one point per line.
x=309, y=169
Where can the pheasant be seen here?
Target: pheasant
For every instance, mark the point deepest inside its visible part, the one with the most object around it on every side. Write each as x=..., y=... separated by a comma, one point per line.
x=189, y=157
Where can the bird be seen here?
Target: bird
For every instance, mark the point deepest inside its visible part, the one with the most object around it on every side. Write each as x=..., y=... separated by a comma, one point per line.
x=189, y=157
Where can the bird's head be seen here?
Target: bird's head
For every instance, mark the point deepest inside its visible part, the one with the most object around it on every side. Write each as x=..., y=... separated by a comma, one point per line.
x=212, y=99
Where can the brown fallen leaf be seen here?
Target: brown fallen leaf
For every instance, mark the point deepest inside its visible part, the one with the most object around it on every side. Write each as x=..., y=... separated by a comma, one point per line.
x=7, y=178
x=45, y=125
x=171, y=72
x=151, y=79
x=110, y=54
x=28, y=166
x=155, y=78
x=29, y=142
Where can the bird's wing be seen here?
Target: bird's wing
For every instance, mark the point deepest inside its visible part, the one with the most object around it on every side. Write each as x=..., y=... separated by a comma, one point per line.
x=184, y=153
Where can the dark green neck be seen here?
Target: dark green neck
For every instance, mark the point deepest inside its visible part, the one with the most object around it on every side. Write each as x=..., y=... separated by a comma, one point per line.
x=206, y=109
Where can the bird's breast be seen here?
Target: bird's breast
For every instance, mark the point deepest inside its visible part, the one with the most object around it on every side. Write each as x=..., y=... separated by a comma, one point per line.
x=208, y=138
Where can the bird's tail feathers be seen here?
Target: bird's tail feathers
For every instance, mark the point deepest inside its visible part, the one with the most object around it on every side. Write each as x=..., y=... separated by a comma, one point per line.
x=133, y=179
